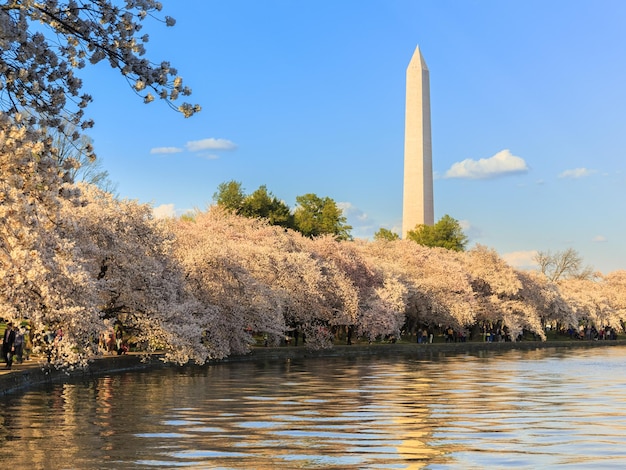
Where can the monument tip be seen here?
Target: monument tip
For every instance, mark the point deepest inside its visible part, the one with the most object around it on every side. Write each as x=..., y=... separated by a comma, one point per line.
x=418, y=59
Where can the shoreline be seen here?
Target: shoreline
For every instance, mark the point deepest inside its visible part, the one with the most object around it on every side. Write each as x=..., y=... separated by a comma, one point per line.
x=33, y=374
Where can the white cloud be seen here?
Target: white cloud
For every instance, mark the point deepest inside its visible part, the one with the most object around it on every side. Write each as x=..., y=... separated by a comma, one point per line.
x=576, y=173
x=159, y=150
x=472, y=232
x=164, y=211
x=210, y=144
x=363, y=226
x=353, y=212
x=599, y=239
x=501, y=164
x=199, y=146
x=521, y=259
x=465, y=225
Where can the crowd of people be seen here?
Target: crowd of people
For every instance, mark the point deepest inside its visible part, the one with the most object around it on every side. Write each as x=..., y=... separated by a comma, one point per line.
x=590, y=332
x=113, y=342
x=17, y=343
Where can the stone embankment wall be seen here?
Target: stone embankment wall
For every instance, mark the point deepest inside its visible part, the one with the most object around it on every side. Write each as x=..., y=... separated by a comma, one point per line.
x=31, y=374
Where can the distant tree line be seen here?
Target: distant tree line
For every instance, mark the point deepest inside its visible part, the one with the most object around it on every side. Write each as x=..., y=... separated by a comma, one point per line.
x=313, y=216
x=446, y=233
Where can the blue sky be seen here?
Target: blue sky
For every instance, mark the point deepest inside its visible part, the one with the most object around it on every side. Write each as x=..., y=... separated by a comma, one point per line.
x=528, y=104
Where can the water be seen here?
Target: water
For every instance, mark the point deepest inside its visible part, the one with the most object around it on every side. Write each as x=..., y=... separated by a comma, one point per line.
x=515, y=409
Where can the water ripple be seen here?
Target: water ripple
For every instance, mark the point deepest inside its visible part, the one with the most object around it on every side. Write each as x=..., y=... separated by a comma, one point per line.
x=515, y=409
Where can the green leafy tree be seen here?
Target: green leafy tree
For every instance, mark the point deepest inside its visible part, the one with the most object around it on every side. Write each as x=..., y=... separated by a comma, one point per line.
x=316, y=216
x=386, y=234
x=263, y=204
x=446, y=233
x=230, y=195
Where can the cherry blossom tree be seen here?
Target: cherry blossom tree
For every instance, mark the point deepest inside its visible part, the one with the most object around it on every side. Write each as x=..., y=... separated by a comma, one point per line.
x=382, y=311
x=584, y=297
x=614, y=290
x=76, y=155
x=548, y=304
x=438, y=291
x=268, y=280
x=137, y=284
x=216, y=250
x=43, y=44
x=377, y=304
x=510, y=298
x=598, y=303
x=39, y=277
x=58, y=255
x=496, y=286
x=76, y=260
x=263, y=278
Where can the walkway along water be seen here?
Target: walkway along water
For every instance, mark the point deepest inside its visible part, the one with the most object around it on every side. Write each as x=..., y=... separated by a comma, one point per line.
x=32, y=373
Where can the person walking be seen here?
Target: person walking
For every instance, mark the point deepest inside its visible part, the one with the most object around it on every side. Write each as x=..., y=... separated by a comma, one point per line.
x=18, y=345
x=8, y=345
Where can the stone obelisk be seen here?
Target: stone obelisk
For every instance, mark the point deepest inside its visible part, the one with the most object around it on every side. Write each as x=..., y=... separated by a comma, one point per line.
x=417, y=203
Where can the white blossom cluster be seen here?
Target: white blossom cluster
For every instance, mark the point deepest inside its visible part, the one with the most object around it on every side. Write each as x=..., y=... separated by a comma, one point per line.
x=40, y=278
x=261, y=278
x=44, y=42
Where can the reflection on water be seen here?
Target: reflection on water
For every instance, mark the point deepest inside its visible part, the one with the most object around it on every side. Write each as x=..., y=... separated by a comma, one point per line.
x=519, y=409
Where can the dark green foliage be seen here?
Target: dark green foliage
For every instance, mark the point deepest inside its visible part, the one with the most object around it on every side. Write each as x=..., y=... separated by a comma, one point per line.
x=386, y=234
x=263, y=204
x=316, y=216
x=446, y=233
x=230, y=196
x=313, y=216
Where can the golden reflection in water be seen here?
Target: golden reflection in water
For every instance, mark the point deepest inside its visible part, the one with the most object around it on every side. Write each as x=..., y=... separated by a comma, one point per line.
x=415, y=429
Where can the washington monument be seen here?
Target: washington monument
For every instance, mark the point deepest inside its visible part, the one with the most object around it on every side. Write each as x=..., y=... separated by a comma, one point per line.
x=417, y=202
